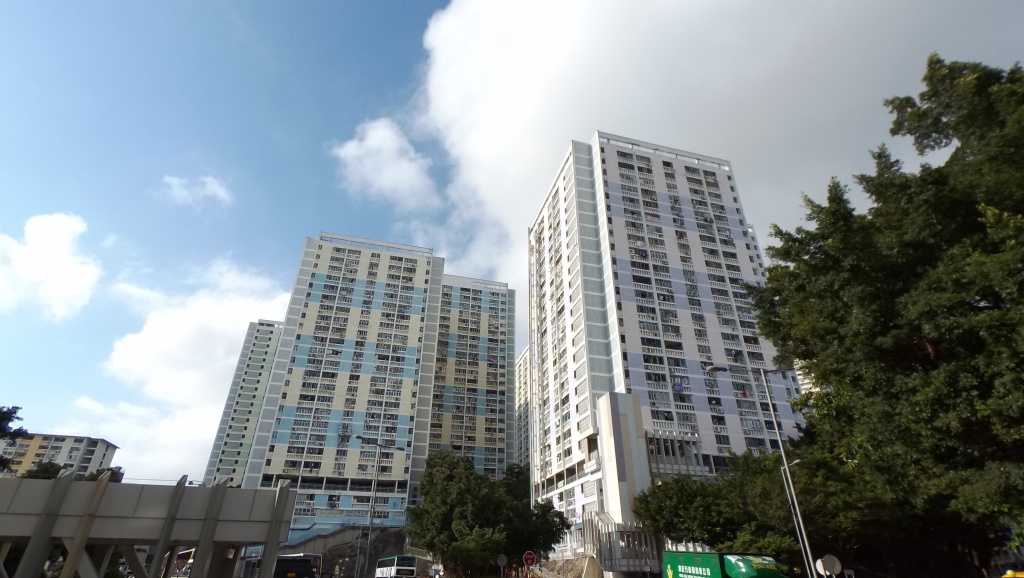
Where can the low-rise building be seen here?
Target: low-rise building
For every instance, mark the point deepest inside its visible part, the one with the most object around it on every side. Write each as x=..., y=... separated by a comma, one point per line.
x=81, y=454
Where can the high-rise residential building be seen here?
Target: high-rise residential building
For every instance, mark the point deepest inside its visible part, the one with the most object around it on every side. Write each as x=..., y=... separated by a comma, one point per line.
x=237, y=427
x=643, y=344
x=359, y=392
x=83, y=455
x=522, y=415
x=473, y=376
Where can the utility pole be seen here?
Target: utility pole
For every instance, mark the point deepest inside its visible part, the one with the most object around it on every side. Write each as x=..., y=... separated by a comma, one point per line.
x=361, y=569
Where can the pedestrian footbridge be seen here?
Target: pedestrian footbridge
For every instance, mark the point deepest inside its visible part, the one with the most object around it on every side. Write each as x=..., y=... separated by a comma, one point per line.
x=93, y=519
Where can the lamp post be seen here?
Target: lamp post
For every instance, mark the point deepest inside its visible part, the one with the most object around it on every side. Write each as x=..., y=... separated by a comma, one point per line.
x=787, y=476
x=790, y=500
x=373, y=500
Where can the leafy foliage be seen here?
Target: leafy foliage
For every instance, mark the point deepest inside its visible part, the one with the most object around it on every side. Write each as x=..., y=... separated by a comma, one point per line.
x=466, y=519
x=910, y=320
x=910, y=317
x=743, y=510
x=44, y=471
x=9, y=415
x=116, y=475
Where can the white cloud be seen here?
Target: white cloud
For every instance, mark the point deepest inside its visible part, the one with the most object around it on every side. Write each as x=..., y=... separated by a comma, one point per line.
x=155, y=442
x=789, y=92
x=198, y=192
x=381, y=163
x=180, y=362
x=48, y=268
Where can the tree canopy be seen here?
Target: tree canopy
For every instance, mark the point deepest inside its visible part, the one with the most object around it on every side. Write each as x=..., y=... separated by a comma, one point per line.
x=465, y=519
x=909, y=319
x=743, y=510
x=44, y=471
x=9, y=415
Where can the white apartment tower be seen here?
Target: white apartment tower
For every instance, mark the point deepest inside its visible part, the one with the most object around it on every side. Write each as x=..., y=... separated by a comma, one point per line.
x=522, y=414
x=359, y=392
x=637, y=259
x=237, y=427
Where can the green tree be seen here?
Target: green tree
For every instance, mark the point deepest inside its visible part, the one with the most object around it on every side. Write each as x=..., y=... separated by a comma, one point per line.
x=536, y=527
x=475, y=551
x=44, y=471
x=454, y=502
x=116, y=475
x=743, y=509
x=465, y=519
x=9, y=415
x=909, y=319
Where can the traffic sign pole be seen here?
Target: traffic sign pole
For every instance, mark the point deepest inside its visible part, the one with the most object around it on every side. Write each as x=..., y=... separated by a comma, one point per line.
x=502, y=561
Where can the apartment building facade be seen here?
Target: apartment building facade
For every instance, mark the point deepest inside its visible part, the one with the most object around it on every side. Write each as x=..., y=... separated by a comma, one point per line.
x=472, y=401
x=643, y=345
x=522, y=414
x=233, y=443
x=359, y=392
x=81, y=454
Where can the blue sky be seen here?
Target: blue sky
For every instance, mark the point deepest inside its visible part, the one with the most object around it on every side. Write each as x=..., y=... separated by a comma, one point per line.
x=160, y=164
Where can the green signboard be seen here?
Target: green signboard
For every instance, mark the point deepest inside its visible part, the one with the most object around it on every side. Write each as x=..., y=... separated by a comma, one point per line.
x=719, y=565
x=750, y=566
x=692, y=565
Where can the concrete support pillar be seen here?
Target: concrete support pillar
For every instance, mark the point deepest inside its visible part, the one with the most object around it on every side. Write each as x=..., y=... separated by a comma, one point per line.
x=75, y=559
x=158, y=562
x=131, y=557
x=39, y=544
x=4, y=549
x=273, y=542
x=222, y=563
x=204, y=549
x=101, y=558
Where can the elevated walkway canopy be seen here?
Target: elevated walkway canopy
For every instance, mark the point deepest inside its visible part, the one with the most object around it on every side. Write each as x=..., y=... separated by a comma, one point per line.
x=92, y=519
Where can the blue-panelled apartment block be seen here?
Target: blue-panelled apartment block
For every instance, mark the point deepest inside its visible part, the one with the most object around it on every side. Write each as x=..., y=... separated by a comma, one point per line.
x=473, y=376
x=347, y=410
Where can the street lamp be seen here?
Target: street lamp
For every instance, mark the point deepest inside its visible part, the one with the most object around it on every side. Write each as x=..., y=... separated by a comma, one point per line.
x=373, y=498
x=787, y=476
x=790, y=499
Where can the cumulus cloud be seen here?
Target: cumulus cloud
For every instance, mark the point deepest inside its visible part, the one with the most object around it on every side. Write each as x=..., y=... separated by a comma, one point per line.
x=380, y=163
x=180, y=362
x=47, y=267
x=196, y=193
x=789, y=93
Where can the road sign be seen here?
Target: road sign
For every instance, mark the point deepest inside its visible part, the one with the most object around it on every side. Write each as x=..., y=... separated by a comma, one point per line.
x=502, y=560
x=529, y=558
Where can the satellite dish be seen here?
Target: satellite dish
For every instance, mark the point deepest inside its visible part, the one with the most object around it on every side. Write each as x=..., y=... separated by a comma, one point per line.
x=828, y=565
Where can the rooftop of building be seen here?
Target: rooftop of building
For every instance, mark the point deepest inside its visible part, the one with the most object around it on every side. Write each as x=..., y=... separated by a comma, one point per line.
x=375, y=244
x=664, y=151
x=473, y=282
x=33, y=435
